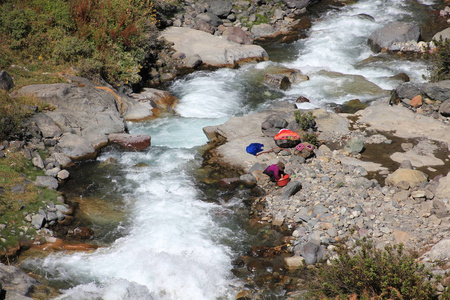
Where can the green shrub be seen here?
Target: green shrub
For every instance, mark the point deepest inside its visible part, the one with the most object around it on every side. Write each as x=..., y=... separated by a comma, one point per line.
x=369, y=272
x=439, y=59
x=311, y=138
x=84, y=33
x=305, y=120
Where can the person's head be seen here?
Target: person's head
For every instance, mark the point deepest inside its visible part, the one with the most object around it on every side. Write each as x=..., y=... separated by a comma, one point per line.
x=281, y=166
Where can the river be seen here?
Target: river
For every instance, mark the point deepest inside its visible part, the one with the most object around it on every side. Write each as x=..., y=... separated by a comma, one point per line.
x=174, y=242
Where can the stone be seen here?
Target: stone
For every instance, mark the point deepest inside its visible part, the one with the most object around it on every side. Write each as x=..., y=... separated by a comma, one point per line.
x=220, y=8
x=15, y=282
x=37, y=161
x=263, y=30
x=46, y=125
x=278, y=81
x=273, y=124
x=416, y=101
x=439, y=209
x=278, y=220
x=193, y=61
x=395, y=32
x=52, y=172
x=439, y=91
x=213, y=50
x=407, y=90
x=444, y=108
x=6, y=82
x=237, y=35
x=443, y=189
x=354, y=146
x=294, y=262
x=406, y=164
x=18, y=188
x=76, y=147
x=38, y=221
x=439, y=253
x=63, y=175
x=46, y=181
x=132, y=142
x=444, y=34
x=291, y=189
x=412, y=177
x=62, y=159
x=312, y=253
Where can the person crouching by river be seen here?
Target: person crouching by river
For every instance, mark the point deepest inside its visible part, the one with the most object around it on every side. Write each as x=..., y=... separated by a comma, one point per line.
x=275, y=171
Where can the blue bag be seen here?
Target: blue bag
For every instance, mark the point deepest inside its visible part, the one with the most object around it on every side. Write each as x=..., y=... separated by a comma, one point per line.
x=254, y=148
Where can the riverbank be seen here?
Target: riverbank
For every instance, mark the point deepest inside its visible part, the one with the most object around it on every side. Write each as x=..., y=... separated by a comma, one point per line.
x=330, y=199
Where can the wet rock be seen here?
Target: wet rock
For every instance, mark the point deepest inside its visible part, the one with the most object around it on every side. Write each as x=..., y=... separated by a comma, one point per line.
x=83, y=233
x=131, y=142
x=278, y=81
x=396, y=32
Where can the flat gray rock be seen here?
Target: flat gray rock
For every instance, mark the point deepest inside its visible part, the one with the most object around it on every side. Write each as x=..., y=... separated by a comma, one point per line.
x=213, y=50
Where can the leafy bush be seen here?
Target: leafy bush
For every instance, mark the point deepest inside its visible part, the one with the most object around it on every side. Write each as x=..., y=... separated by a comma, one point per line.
x=305, y=120
x=369, y=272
x=439, y=59
x=311, y=138
x=115, y=34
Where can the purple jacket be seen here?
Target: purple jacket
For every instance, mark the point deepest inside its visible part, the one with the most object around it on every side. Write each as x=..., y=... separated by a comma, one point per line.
x=273, y=168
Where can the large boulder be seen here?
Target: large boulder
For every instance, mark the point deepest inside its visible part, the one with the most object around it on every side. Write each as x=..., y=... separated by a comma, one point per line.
x=395, y=32
x=213, y=50
x=6, y=82
x=80, y=106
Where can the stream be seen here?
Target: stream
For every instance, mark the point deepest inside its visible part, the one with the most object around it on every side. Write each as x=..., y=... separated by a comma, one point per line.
x=164, y=236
